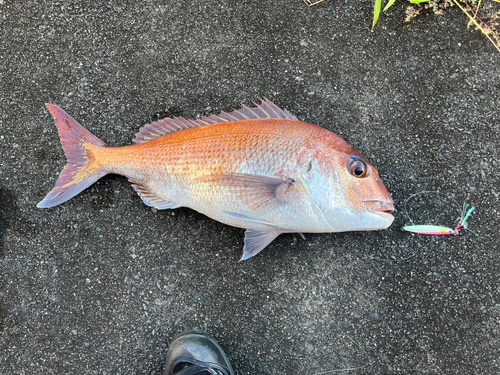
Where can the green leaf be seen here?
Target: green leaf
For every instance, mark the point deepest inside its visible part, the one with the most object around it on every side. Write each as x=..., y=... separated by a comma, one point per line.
x=389, y=4
x=418, y=1
x=376, y=11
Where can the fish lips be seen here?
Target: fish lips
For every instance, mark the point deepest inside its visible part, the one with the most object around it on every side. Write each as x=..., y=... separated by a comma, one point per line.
x=381, y=208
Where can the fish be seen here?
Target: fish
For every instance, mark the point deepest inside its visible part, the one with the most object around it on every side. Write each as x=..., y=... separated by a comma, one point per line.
x=257, y=168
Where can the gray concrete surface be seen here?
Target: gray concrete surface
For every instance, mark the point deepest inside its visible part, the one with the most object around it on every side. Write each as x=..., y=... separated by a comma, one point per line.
x=101, y=284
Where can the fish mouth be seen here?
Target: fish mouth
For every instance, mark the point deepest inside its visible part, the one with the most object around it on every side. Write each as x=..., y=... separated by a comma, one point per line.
x=381, y=208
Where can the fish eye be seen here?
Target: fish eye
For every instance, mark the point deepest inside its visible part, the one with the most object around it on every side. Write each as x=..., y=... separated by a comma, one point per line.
x=358, y=168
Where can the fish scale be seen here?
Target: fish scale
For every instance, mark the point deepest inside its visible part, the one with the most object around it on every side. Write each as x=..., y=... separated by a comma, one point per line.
x=255, y=168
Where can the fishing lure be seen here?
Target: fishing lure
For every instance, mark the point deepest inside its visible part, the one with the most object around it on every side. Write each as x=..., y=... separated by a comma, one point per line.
x=436, y=230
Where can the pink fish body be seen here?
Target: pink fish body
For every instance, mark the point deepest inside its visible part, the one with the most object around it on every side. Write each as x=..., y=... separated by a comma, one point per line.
x=257, y=168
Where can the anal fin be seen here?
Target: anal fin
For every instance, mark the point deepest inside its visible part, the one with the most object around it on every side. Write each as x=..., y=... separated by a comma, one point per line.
x=152, y=200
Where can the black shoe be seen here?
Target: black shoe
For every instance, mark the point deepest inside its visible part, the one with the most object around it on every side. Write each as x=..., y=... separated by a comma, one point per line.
x=196, y=353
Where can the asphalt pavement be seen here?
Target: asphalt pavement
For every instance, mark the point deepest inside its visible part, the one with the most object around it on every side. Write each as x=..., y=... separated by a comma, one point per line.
x=102, y=283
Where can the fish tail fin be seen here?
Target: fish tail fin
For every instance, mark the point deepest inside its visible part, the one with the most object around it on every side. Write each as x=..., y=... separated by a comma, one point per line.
x=83, y=168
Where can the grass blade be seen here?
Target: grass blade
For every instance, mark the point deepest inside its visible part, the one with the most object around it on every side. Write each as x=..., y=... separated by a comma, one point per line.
x=376, y=12
x=389, y=4
x=477, y=24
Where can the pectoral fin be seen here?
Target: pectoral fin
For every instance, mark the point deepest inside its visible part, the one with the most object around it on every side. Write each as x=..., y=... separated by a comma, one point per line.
x=255, y=241
x=254, y=190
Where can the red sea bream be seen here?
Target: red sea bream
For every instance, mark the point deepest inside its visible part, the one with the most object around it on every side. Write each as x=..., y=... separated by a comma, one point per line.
x=256, y=168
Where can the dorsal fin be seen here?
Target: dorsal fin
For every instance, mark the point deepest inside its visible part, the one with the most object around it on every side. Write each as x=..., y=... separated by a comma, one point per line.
x=265, y=110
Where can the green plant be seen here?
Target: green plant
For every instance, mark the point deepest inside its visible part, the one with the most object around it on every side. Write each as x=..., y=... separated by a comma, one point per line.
x=486, y=18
